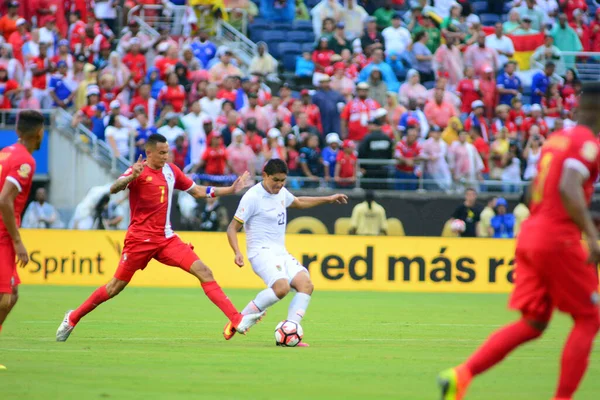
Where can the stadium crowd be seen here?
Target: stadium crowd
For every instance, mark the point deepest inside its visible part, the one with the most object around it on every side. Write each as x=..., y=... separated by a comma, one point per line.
x=423, y=86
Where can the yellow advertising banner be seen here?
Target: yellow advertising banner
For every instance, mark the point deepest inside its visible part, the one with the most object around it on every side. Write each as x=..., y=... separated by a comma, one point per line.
x=403, y=264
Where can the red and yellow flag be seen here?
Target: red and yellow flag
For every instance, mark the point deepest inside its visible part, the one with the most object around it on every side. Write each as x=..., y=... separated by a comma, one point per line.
x=525, y=46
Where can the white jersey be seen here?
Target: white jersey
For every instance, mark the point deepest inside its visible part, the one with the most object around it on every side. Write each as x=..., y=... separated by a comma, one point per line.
x=264, y=216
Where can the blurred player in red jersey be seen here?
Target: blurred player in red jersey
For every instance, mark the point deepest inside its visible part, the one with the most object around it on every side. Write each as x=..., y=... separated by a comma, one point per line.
x=554, y=269
x=151, y=184
x=17, y=168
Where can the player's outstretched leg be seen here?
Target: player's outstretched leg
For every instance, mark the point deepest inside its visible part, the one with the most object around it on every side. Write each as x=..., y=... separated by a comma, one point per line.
x=455, y=381
x=304, y=288
x=7, y=303
x=240, y=323
x=576, y=355
x=100, y=295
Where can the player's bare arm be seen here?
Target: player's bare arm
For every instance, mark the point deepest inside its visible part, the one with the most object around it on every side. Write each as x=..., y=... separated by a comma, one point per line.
x=122, y=183
x=202, y=192
x=7, y=209
x=309, y=202
x=232, y=230
x=573, y=198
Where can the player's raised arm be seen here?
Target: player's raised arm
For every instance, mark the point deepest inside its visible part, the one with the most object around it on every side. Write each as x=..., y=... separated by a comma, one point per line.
x=232, y=230
x=129, y=176
x=7, y=209
x=309, y=202
x=201, y=192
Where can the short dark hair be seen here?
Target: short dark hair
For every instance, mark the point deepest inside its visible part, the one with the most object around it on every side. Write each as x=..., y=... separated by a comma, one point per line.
x=275, y=166
x=154, y=139
x=29, y=122
x=550, y=64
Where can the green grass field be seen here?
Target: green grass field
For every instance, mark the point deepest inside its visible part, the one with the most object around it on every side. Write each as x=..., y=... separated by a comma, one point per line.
x=167, y=344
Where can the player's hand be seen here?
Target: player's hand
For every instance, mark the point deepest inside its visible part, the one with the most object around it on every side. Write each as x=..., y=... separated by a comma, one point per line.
x=240, y=182
x=21, y=253
x=239, y=260
x=138, y=167
x=338, y=199
x=593, y=252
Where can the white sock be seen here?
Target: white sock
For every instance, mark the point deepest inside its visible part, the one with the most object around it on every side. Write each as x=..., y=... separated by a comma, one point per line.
x=298, y=307
x=263, y=300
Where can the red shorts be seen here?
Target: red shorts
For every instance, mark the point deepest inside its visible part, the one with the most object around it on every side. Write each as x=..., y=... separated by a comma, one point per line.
x=9, y=278
x=137, y=254
x=549, y=278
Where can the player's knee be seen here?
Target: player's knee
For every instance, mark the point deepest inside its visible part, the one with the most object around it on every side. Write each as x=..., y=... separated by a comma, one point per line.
x=115, y=287
x=281, y=288
x=591, y=322
x=306, y=287
x=202, y=272
x=539, y=325
x=14, y=298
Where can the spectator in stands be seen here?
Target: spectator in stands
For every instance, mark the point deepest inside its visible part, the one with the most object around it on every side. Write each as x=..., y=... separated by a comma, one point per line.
x=227, y=122
x=509, y=84
x=171, y=130
x=377, y=87
x=502, y=120
x=354, y=18
x=254, y=137
x=134, y=61
x=12, y=66
x=501, y=43
x=511, y=173
x=311, y=162
x=540, y=82
x=376, y=146
x=305, y=66
x=388, y=75
x=253, y=110
x=531, y=155
x=521, y=213
x=273, y=146
x=48, y=34
x=434, y=152
x=224, y=68
x=329, y=103
x=193, y=123
x=552, y=105
x=148, y=103
x=582, y=29
x=330, y=154
x=61, y=88
x=118, y=136
x=535, y=120
x=346, y=166
x=179, y=151
x=513, y=23
x=263, y=63
x=28, y=102
x=479, y=56
x=547, y=52
x=571, y=6
x=439, y=112
x=240, y=156
x=339, y=41
x=525, y=28
x=468, y=212
x=214, y=159
x=483, y=149
x=321, y=56
x=133, y=32
x=450, y=134
x=397, y=38
x=302, y=13
x=469, y=91
x=422, y=56
x=384, y=15
x=357, y=113
x=408, y=153
x=465, y=163
x=203, y=49
x=533, y=13
x=341, y=83
x=477, y=118
x=8, y=89
x=153, y=79
x=40, y=214
x=40, y=67
x=8, y=22
x=485, y=218
x=172, y=93
x=502, y=224
x=372, y=38
x=326, y=9
x=550, y=9
x=394, y=111
x=303, y=127
x=448, y=61
x=412, y=88
x=414, y=111
x=210, y=104
x=143, y=131
x=368, y=218
x=566, y=39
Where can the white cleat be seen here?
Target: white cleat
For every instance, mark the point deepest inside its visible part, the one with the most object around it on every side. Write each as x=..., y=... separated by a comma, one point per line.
x=65, y=329
x=248, y=321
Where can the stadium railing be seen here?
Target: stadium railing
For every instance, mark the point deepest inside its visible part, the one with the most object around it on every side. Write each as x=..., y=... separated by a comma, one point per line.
x=86, y=141
x=243, y=47
x=586, y=63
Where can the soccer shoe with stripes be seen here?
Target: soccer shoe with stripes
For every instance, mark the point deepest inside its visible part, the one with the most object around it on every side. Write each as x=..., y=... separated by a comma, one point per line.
x=302, y=344
x=453, y=383
x=65, y=329
x=229, y=331
x=247, y=322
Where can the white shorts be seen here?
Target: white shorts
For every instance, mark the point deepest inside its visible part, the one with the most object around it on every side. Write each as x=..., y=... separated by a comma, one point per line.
x=272, y=267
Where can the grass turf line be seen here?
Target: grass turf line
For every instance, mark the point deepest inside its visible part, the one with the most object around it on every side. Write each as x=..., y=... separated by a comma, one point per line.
x=167, y=344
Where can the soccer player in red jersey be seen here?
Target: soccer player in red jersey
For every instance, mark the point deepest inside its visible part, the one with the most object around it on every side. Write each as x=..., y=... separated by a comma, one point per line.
x=151, y=184
x=554, y=269
x=17, y=168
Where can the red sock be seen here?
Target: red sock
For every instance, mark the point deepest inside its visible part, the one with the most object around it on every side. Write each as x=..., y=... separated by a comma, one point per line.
x=576, y=355
x=214, y=292
x=499, y=344
x=99, y=296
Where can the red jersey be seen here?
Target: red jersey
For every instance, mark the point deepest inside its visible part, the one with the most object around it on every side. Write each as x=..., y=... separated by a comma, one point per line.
x=499, y=124
x=174, y=96
x=483, y=148
x=106, y=96
x=468, y=89
x=6, y=87
x=136, y=64
x=347, y=163
x=88, y=111
x=215, y=160
x=570, y=102
x=529, y=122
x=550, y=223
x=166, y=65
x=230, y=95
x=314, y=116
x=569, y=6
x=517, y=117
x=151, y=200
x=255, y=142
x=322, y=58
x=40, y=81
x=357, y=114
x=552, y=103
x=405, y=150
x=17, y=166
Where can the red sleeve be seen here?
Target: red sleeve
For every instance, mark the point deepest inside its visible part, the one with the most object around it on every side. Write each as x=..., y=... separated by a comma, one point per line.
x=11, y=85
x=205, y=155
x=339, y=156
x=21, y=171
x=346, y=112
x=468, y=124
x=583, y=154
x=182, y=181
x=162, y=93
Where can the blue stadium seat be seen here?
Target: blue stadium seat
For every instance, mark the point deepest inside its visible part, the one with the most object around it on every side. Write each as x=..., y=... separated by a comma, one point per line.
x=299, y=36
x=290, y=47
x=260, y=25
x=282, y=26
x=312, y=3
x=507, y=8
x=489, y=19
x=289, y=61
x=479, y=7
x=429, y=84
x=257, y=35
x=303, y=26
x=310, y=47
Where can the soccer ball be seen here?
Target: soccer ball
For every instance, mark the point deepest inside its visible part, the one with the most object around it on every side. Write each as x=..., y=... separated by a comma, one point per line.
x=288, y=333
x=458, y=226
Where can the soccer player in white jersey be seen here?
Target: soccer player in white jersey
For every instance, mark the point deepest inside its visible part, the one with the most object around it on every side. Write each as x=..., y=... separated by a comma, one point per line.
x=262, y=211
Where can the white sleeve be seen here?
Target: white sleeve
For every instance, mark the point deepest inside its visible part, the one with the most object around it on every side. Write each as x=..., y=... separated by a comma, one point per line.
x=288, y=197
x=246, y=209
x=573, y=163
